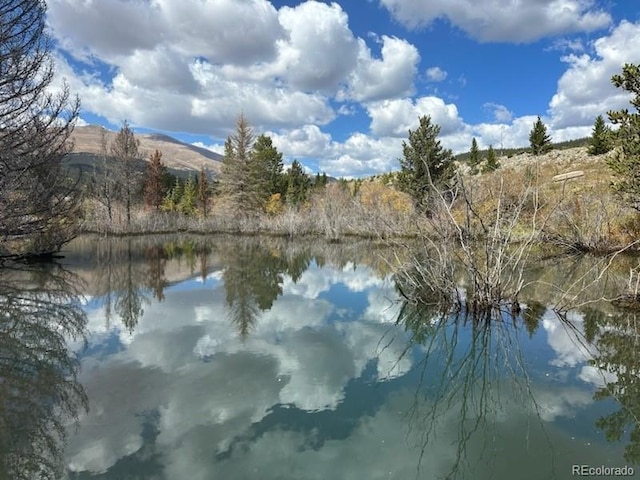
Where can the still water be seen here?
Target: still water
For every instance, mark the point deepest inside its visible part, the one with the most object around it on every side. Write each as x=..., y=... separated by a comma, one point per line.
x=227, y=358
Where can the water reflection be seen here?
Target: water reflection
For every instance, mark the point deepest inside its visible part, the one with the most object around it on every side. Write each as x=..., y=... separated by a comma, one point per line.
x=618, y=355
x=39, y=393
x=253, y=279
x=260, y=357
x=129, y=272
x=471, y=368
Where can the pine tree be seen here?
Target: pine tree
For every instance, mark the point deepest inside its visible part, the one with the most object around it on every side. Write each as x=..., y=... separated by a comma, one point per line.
x=154, y=188
x=187, y=202
x=491, y=162
x=474, y=157
x=600, y=141
x=269, y=166
x=298, y=184
x=539, y=140
x=426, y=164
x=238, y=177
x=173, y=196
x=323, y=179
x=625, y=162
x=320, y=180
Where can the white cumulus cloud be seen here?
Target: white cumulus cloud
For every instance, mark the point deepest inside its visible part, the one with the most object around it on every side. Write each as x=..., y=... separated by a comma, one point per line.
x=514, y=21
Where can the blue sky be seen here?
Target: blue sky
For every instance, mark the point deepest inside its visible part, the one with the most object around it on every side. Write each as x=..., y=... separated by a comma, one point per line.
x=339, y=84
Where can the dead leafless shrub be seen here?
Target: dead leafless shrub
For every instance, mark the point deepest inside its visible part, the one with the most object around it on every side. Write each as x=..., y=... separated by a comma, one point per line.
x=467, y=243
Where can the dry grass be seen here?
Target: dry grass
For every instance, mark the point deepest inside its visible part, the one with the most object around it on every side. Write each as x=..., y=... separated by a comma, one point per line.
x=584, y=214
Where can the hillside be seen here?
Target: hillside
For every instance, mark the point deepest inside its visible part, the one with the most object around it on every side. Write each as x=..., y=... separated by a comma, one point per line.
x=181, y=158
x=510, y=152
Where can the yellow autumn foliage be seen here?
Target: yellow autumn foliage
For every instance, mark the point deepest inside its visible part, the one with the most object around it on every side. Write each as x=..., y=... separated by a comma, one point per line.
x=377, y=195
x=274, y=205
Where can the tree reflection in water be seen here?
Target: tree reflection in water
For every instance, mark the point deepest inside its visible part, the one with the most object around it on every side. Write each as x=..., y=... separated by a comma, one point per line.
x=39, y=392
x=617, y=338
x=253, y=280
x=473, y=364
x=129, y=273
x=126, y=277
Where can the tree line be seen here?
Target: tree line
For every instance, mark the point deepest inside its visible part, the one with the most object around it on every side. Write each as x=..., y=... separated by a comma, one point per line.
x=252, y=179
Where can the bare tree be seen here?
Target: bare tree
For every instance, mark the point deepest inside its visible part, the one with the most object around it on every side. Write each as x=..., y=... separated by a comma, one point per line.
x=203, y=192
x=38, y=200
x=125, y=150
x=104, y=185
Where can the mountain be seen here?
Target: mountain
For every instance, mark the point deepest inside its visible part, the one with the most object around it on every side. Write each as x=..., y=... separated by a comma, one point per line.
x=179, y=157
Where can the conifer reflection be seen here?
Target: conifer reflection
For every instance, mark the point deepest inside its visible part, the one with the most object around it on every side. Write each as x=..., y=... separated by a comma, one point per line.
x=39, y=392
x=253, y=279
x=618, y=347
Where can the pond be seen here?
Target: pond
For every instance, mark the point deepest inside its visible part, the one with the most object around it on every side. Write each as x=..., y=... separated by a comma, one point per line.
x=241, y=358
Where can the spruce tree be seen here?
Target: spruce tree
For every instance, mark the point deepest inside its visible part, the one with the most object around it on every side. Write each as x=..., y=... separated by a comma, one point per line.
x=491, y=162
x=600, y=141
x=298, y=184
x=269, y=166
x=625, y=162
x=172, y=198
x=425, y=164
x=539, y=140
x=187, y=202
x=238, y=174
x=474, y=157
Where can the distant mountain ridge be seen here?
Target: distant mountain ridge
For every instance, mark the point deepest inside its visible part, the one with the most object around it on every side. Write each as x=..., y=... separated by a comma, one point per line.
x=178, y=156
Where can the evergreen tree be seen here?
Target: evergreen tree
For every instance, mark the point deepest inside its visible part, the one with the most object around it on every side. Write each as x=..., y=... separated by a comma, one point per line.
x=491, y=163
x=625, y=162
x=600, y=141
x=173, y=196
x=238, y=174
x=320, y=180
x=323, y=179
x=298, y=184
x=269, y=166
x=474, y=157
x=187, y=202
x=154, y=188
x=426, y=164
x=539, y=140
